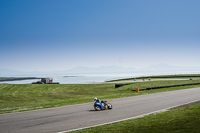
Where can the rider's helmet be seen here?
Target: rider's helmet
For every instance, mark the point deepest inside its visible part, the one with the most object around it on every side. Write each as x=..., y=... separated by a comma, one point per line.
x=95, y=99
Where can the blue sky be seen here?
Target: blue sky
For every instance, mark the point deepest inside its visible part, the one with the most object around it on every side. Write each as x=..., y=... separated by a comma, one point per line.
x=44, y=35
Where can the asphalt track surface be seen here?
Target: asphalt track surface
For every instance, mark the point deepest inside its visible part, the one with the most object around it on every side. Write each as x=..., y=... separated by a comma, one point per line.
x=62, y=119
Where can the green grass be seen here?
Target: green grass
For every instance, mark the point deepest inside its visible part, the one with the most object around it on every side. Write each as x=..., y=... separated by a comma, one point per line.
x=14, y=98
x=144, y=85
x=181, y=120
x=179, y=76
x=23, y=97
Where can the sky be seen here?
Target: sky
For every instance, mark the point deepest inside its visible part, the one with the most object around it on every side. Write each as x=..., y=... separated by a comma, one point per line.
x=53, y=35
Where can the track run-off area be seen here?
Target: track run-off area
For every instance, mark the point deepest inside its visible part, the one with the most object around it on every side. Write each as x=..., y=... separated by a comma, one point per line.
x=73, y=117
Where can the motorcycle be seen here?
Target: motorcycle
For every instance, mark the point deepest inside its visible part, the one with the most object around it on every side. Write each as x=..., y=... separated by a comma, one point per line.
x=102, y=105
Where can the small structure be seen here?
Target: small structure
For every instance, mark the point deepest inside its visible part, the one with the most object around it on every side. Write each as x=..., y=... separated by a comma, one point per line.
x=137, y=89
x=46, y=81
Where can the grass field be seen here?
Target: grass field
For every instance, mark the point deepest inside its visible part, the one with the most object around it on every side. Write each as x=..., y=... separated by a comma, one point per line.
x=180, y=120
x=23, y=97
x=179, y=76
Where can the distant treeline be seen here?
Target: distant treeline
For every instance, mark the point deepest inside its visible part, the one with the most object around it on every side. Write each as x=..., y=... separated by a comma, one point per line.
x=16, y=78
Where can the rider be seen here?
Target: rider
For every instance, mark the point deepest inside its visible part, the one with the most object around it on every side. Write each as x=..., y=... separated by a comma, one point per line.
x=98, y=100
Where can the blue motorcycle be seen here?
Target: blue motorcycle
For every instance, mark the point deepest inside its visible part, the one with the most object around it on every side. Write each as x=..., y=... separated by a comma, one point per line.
x=103, y=105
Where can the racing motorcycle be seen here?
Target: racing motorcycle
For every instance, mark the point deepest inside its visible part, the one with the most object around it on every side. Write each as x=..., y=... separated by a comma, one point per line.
x=102, y=105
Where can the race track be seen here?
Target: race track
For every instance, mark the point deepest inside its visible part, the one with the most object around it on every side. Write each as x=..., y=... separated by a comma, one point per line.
x=83, y=115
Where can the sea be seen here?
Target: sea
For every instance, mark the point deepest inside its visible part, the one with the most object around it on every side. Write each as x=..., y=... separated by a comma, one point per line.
x=91, y=78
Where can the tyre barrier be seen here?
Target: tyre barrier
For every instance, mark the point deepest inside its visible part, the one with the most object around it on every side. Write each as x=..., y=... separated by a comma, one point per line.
x=120, y=85
x=160, y=87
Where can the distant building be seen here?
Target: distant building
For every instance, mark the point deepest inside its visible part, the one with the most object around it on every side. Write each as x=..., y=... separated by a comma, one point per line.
x=46, y=81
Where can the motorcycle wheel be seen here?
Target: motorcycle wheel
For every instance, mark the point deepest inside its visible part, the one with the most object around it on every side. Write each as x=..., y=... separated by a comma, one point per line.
x=109, y=106
x=97, y=108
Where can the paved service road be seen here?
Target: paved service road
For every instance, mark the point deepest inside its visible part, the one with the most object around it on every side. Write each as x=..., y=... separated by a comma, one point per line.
x=83, y=115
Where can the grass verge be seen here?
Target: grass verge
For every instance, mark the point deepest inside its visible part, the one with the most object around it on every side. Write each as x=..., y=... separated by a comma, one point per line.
x=180, y=120
x=178, y=76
